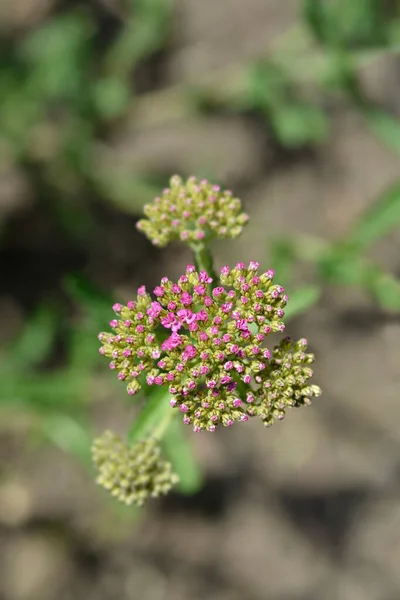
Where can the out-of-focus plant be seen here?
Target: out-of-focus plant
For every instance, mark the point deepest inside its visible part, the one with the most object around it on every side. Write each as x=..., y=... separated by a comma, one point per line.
x=64, y=84
x=345, y=262
x=55, y=400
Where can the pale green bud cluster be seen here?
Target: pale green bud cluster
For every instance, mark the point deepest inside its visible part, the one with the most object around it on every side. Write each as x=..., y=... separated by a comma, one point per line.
x=132, y=474
x=285, y=382
x=193, y=211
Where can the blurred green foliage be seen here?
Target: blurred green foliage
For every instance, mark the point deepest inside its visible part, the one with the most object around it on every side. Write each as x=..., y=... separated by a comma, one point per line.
x=66, y=83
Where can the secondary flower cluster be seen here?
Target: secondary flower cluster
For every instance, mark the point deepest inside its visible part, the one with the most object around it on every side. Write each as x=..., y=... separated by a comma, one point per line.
x=132, y=474
x=193, y=212
x=209, y=347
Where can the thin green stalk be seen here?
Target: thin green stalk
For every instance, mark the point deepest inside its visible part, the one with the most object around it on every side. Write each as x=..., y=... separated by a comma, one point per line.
x=159, y=431
x=203, y=260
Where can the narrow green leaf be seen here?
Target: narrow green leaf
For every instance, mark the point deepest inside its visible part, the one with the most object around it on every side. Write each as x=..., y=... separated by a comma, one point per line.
x=341, y=264
x=342, y=267
x=68, y=434
x=315, y=14
x=153, y=412
x=127, y=192
x=299, y=124
x=43, y=391
x=386, y=290
x=266, y=87
x=111, y=97
x=34, y=343
x=282, y=257
x=178, y=450
x=378, y=220
x=301, y=300
x=144, y=33
x=386, y=127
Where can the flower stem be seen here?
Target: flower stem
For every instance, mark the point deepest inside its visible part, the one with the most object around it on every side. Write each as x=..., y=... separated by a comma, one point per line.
x=204, y=260
x=159, y=431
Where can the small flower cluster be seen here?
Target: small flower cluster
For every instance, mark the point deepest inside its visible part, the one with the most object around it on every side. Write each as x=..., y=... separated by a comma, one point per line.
x=132, y=474
x=192, y=212
x=208, y=347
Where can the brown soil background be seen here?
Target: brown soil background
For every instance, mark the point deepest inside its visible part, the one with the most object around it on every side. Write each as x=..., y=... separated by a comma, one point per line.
x=307, y=510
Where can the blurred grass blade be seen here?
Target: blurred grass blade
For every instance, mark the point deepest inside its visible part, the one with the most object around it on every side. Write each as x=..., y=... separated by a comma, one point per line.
x=69, y=435
x=315, y=15
x=282, y=257
x=301, y=300
x=377, y=221
x=143, y=34
x=93, y=300
x=153, y=412
x=386, y=127
x=340, y=265
x=84, y=345
x=178, y=450
x=298, y=124
x=386, y=290
x=34, y=343
x=42, y=391
x=128, y=192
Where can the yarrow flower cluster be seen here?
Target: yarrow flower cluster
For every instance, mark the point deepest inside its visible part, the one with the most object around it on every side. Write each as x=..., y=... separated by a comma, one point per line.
x=204, y=339
x=132, y=474
x=209, y=348
x=193, y=211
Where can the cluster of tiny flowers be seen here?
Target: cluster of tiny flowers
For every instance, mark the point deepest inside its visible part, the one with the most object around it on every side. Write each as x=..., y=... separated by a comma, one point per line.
x=208, y=347
x=192, y=212
x=132, y=474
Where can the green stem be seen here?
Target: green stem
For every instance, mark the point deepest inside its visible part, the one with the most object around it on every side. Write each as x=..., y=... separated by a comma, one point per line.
x=204, y=260
x=159, y=431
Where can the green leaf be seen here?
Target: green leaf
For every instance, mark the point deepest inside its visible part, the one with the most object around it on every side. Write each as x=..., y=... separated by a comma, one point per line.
x=340, y=265
x=386, y=127
x=57, y=54
x=43, y=391
x=301, y=300
x=386, y=290
x=299, y=124
x=282, y=257
x=111, y=97
x=34, y=343
x=152, y=414
x=143, y=34
x=68, y=434
x=178, y=450
x=266, y=87
x=315, y=14
x=126, y=191
x=96, y=304
x=97, y=311
x=377, y=221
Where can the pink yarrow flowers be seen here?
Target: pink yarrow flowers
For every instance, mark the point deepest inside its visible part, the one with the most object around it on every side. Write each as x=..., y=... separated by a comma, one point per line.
x=208, y=347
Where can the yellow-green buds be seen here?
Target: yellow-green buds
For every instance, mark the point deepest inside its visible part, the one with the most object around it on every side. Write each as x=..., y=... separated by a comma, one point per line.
x=132, y=474
x=285, y=382
x=192, y=212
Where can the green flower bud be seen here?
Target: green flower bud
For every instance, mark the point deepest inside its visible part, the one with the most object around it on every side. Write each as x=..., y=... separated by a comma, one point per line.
x=132, y=474
x=284, y=383
x=193, y=211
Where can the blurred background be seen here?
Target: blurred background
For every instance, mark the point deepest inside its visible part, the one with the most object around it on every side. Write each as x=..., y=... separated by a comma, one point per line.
x=295, y=105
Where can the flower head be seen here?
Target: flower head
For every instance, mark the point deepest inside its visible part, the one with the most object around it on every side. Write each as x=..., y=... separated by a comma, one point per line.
x=209, y=348
x=192, y=211
x=131, y=474
x=285, y=382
